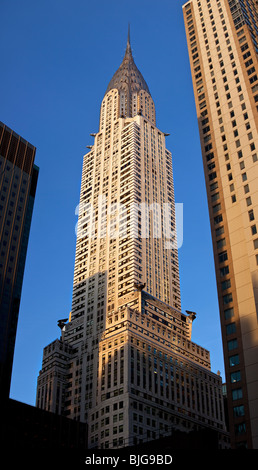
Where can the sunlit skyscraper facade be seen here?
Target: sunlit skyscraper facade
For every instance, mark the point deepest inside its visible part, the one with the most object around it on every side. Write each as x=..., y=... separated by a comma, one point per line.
x=222, y=42
x=125, y=362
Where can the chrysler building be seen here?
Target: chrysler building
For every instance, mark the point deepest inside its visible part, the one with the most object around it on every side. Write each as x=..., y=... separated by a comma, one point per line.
x=125, y=363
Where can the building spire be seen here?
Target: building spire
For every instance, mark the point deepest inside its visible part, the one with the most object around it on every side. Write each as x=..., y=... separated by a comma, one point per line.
x=128, y=77
x=128, y=35
x=128, y=45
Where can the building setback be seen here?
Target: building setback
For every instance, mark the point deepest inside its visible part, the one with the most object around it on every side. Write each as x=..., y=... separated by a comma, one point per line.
x=222, y=44
x=18, y=181
x=125, y=363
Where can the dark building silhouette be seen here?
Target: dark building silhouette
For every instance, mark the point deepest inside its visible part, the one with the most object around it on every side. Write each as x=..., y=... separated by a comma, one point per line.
x=28, y=427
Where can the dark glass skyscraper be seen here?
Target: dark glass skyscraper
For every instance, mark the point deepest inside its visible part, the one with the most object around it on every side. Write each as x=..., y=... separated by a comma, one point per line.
x=18, y=181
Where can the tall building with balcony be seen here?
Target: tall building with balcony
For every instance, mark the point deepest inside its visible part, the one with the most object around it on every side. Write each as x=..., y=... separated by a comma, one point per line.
x=18, y=181
x=125, y=362
x=222, y=45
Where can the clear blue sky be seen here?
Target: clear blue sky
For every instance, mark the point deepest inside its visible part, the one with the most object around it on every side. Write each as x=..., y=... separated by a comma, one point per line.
x=57, y=59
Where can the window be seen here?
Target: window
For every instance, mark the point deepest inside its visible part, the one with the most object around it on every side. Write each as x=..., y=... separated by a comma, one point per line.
x=232, y=344
x=235, y=376
x=256, y=244
x=234, y=360
x=209, y=156
x=219, y=231
x=244, y=47
x=221, y=243
x=223, y=256
x=215, y=197
x=227, y=298
x=229, y=313
x=250, y=71
x=216, y=208
x=240, y=428
x=237, y=394
x=231, y=328
x=211, y=166
x=212, y=176
x=239, y=411
x=218, y=219
x=226, y=284
x=213, y=186
x=224, y=271
x=251, y=215
x=253, y=229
